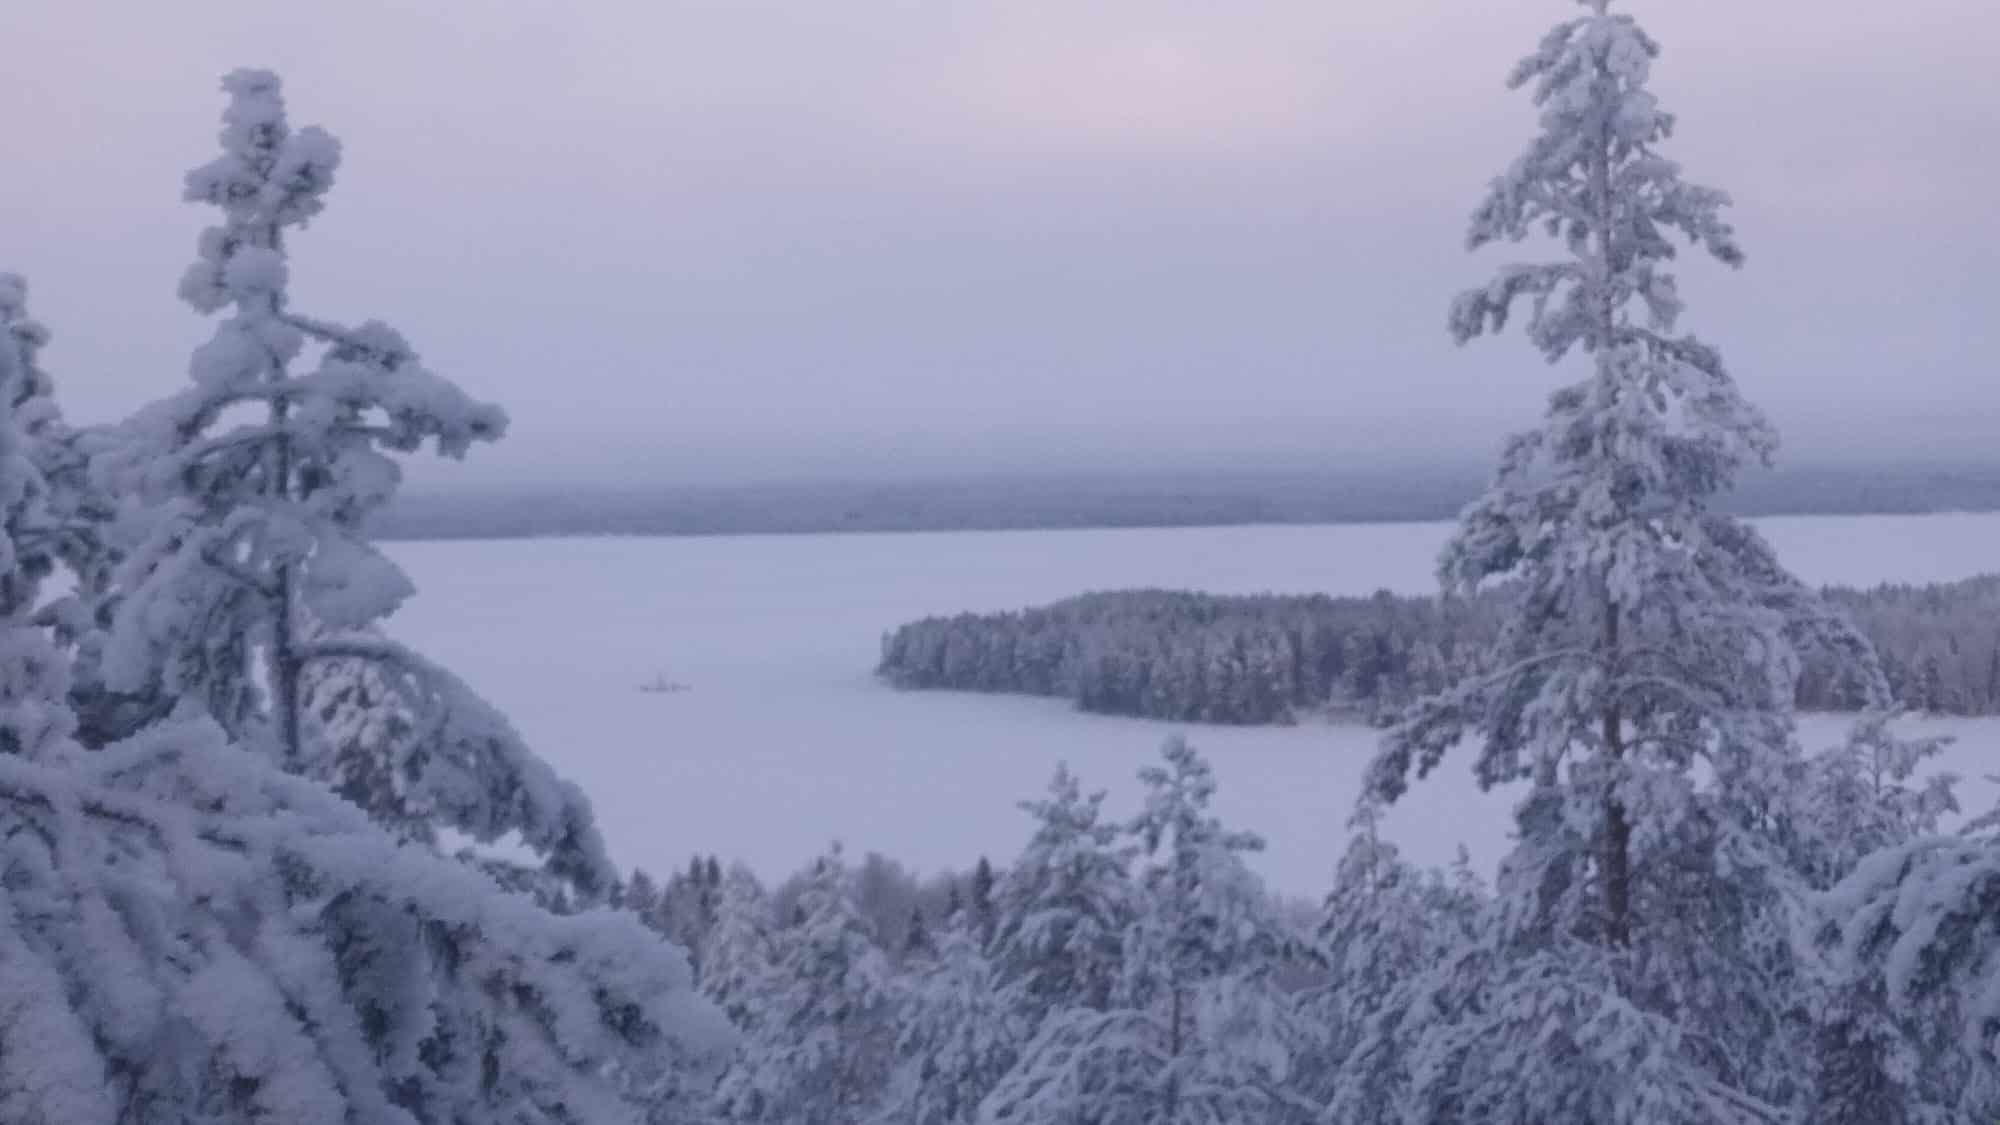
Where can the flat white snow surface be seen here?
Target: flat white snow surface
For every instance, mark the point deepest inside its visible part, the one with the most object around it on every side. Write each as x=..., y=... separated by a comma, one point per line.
x=783, y=740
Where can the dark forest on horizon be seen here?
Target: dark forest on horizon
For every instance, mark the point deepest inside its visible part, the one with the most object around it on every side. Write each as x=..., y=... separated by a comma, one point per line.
x=1160, y=498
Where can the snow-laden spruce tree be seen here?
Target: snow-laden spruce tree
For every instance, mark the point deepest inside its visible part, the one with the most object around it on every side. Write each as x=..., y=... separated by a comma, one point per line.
x=257, y=593
x=35, y=718
x=1867, y=794
x=68, y=522
x=188, y=934
x=917, y=944
x=1648, y=632
x=686, y=907
x=1199, y=1031
x=1864, y=796
x=78, y=528
x=985, y=913
x=821, y=1044
x=739, y=950
x=1643, y=680
x=958, y=1033
x=1061, y=911
x=1909, y=1020
x=1384, y=923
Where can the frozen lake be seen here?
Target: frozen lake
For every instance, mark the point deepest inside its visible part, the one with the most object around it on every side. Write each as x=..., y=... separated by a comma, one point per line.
x=784, y=740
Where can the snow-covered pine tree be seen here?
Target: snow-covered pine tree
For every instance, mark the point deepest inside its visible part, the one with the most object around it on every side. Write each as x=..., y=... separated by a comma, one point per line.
x=739, y=950
x=1199, y=1031
x=1647, y=631
x=958, y=1032
x=1856, y=799
x=44, y=441
x=1865, y=795
x=1930, y=690
x=822, y=1042
x=638, y=894
x=984, y=912
x=1907, y=1005
x=1911, y=1025
x=68, y=518
x=189, y=934
x=1062, y=910
x=885, y=893
x=78, y=528
x=686, y=909
x=1384, y=924
x=1986, y=824
x=1205, y=957
x=917, y=943
x=256, y=592
x=35, y=719
x=1647, y=635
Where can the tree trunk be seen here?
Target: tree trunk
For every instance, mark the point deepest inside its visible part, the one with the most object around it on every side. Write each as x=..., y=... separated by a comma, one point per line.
x=285, y=673
x=286, y=666
x=1617, y=844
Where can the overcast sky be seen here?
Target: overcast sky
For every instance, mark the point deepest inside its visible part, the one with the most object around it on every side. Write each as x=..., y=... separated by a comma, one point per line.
x=767, y=238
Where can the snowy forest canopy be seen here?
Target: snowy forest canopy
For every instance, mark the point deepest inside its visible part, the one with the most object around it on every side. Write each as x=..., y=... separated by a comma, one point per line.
x=1191, y=657
x=260, y=862
x=1031, y=979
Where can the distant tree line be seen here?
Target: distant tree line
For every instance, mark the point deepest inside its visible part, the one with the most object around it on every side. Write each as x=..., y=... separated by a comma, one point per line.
x=1268, y=658
x=1939, y=643
x=900, y=907
x=1024, y=500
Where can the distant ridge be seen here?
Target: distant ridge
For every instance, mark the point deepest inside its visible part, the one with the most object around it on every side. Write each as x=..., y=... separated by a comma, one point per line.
x=1160, y=499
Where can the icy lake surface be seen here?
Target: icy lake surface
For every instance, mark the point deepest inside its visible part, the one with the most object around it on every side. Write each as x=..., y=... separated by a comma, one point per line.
x=783, y=740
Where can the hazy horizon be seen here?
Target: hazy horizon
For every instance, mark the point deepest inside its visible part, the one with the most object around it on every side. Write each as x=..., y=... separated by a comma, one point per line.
x=1250, y=464
x=692, y=242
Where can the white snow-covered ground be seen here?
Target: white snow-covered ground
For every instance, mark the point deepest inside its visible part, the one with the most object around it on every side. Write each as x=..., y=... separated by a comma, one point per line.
x=785, y=741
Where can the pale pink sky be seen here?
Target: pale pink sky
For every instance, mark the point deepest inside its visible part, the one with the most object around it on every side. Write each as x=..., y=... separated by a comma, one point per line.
x=744, y=237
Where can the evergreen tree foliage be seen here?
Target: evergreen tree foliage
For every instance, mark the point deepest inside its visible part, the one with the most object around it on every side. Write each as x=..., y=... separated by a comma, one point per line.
x=984, y=912
x=1384, y=924
x=1267, y=658
x=822, y=1046
x=1867, y=794
x=958, y=1033
x=1197, y=657
x=1913, y=1030
x=686, y=910
x=639, y=894
x=917, y=940
x=1635, y=966
x=256, y=592
x=1063, y=908
x=740, y=953
x=1199, y=1031
x=225, y=790
x=188, y=934
x=79, y=528
x=887, y=895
